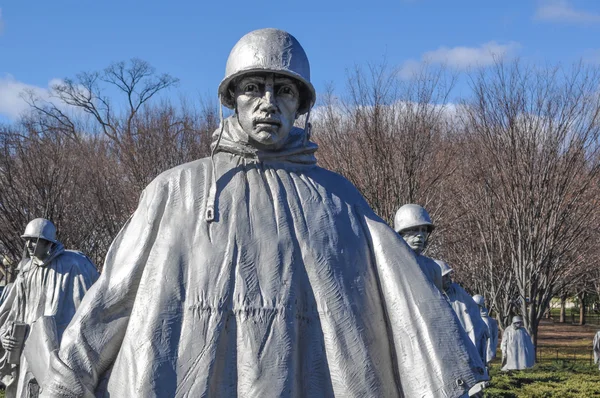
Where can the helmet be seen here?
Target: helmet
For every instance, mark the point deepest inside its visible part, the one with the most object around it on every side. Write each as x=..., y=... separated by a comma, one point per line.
x=479, y=300
x=444, y=267
x=268, y=50
x=517, y=318
x=40, y=228
x=410, y=216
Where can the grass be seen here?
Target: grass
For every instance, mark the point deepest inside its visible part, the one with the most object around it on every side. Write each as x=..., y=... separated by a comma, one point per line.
x=546, y=380
x=564, y=369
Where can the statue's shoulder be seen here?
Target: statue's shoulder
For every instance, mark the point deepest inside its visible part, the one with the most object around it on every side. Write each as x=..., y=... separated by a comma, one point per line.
x=78, y=260
x=430, y=261
x=175, y=174
x=196, y=171
x=337, y=184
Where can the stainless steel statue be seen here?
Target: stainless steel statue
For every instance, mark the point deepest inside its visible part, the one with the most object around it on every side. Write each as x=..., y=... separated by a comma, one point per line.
x=596, y=348
x=517, y=349
x=466, y=310
x=413, y=223
x=492, y=325
x=51, y=282
x=255, y=273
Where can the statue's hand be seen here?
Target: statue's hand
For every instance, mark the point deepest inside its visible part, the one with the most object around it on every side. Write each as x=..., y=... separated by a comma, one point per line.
x=8, y=342
x=477, y=390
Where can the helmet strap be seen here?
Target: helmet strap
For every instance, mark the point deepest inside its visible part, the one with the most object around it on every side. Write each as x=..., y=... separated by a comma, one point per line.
x=307, y=127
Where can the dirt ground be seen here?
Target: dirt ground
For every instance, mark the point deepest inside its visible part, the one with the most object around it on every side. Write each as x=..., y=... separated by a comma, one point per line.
x=565, y=334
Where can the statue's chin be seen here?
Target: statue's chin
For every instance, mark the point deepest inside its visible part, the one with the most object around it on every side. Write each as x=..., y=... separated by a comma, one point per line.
x=266, y=139
x=417, y=249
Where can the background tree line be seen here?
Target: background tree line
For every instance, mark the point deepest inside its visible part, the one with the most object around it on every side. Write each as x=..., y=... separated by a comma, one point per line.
x=509, y=173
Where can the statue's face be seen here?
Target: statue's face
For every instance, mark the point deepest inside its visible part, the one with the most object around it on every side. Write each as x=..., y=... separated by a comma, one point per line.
x=446, y=281
x=518, y=325
x=416, y=238
x=38, y=248
x=266, y=107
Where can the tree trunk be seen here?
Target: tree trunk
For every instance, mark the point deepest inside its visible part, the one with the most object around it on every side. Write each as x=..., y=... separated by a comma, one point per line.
x=563, y=308
x=581, y=308
x=532, y=326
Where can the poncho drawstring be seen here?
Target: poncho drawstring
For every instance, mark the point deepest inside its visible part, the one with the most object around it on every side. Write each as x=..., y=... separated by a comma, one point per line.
x=209, y=215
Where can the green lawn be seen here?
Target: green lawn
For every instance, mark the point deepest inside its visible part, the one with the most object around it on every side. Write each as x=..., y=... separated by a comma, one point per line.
x=572, y=375
x=558, y=379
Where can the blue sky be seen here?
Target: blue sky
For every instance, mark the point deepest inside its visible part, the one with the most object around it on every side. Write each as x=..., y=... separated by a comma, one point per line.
x=42, y=41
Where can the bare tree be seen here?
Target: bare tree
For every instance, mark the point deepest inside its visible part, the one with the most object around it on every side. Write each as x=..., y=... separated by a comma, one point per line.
x=387, y=136
x=83, y=158
x=537, y=157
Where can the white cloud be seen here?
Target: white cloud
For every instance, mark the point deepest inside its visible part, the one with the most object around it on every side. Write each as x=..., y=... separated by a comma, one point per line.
x=562, y=11
x=461, y=57
x=12, y=103
x=399, y=109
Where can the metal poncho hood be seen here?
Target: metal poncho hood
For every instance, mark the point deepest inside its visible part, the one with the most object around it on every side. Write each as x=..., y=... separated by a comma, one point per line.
x=234, y=140
x=295, y=289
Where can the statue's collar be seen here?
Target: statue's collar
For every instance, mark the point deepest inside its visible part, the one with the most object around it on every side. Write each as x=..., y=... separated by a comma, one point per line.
x=234, y=140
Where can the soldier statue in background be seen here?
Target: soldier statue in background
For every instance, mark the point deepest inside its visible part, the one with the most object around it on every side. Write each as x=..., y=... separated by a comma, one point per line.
x=466, y=310
x=52, y=282
x=413, y=223
x=517, y=348
x=492, y=324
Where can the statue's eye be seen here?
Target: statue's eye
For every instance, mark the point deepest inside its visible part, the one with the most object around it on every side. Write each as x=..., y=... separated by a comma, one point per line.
x=286, y=90
x=251, y=88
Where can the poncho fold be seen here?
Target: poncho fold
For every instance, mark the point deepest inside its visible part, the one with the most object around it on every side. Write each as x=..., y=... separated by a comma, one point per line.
x=467, y=312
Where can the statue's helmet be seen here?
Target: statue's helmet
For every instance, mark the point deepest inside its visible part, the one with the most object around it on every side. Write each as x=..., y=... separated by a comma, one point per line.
x=411, y=216
x=517, y=319
x=40, y=228
x=479, y=300
x=269, y=50
x=444, y=267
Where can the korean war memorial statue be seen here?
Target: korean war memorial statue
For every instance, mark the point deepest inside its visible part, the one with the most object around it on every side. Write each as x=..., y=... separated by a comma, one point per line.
x=596, y=348
x=256, y=273
x=466, y=310
x=413, y=223
x=517, y=348
x=51, y=282
x=492, y=324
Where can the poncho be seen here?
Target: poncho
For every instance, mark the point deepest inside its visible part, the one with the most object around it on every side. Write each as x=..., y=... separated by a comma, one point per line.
x=596, y=348
x=517, y=349
x=55, y=288
x=296, y=289
x=492, y=342
x=467, y=312
x=431, y=270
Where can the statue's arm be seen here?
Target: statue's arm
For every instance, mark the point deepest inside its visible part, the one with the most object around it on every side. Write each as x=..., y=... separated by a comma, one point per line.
x=8, y=316
x=93, y=338
x=504, y=344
